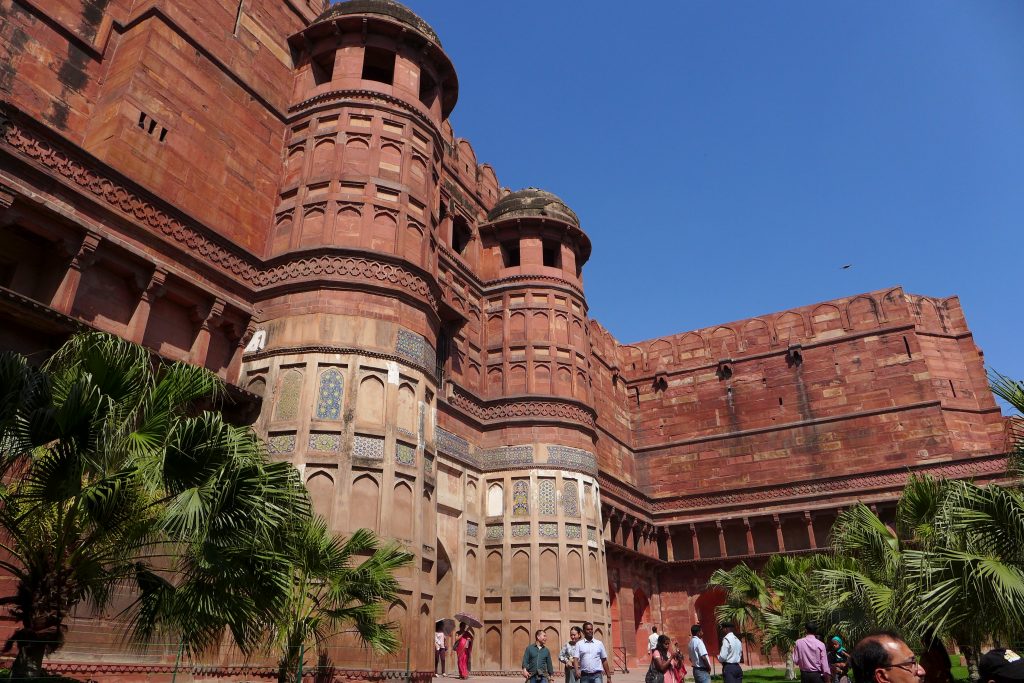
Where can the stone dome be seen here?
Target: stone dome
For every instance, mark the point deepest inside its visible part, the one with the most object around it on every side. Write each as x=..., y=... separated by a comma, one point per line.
x=532, y=202
x=384, y=8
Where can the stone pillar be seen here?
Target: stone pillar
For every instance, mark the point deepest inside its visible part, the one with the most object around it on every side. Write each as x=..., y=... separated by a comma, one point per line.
x=201, y=345
x=778, y=533
x=670, y=552
x=810, y=530
x=695, y=542
x=82, y=257
x=750, y=535
x=151, y=291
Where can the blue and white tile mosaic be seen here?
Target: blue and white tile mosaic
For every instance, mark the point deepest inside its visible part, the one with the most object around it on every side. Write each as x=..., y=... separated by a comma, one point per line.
x=548, y=529
x=570, y=498
x=329, y=395
x=288, y=397
x=472, y=529
x=495, y=532
x=546, y=497
x=521, y=498
x=281, y=443
x=520, y=529
x=369, y=447
x=573, y=531
x=405, y=454
x=591, y=534
x=324, y=441
x=575, y=458
x=506, y=456
x=415, y=348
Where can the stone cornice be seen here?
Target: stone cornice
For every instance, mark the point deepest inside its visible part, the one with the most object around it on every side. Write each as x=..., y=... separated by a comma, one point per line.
x=522, y=408
x=343, y=350
x=333, y=97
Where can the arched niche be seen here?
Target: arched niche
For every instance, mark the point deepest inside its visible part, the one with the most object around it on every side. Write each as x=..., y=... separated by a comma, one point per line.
x=548, y=568
x=365, y=503
x=370, y=401
x=495, y=500
x=401, y=514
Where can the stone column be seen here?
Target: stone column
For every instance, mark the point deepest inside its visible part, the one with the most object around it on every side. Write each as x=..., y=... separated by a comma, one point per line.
x=695, y=542
x=81, y=258
x=810, y=530
x=778, y=533
x=750, y=535
x=201, y=345
x=722, y=551
x=151, y=291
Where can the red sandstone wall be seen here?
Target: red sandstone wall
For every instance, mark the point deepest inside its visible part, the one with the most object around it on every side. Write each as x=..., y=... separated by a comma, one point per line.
x=728, y=407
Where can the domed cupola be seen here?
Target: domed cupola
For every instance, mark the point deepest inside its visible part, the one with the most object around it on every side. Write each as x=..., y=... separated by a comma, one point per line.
x=378, y=46
x=534, y=232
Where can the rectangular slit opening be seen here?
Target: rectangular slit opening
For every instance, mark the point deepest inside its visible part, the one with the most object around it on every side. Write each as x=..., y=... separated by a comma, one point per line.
x=379, y=65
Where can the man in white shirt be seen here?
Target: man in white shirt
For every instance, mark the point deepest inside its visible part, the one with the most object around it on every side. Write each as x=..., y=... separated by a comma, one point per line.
x=592, y=657
x=652, y=640
x=731, y=655
x=698, y=652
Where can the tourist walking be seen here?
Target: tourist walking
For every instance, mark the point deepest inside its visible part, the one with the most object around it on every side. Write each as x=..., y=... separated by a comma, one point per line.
x=885, y=658
x=810, y=655
x=537, y=667
x=839, y=660
x=652, y=640
x=731, y=655
x=570, y=657
x=463, y=641
x=440, y=648
x=698, y=653
x=593, y=657
x=664, y=668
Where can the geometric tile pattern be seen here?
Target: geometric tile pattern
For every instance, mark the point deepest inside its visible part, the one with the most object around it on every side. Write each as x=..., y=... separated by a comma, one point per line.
x=405, y=454
x=591, y=534
x=472, y=529
x=572, y=531
x=280, y=443
x=570, y=498
x=324, y=441
x=548, y=529
x=506, y=456
x=428, y=463
x=576, y=458
x=328, y=400
x=288, y=400
x=415, y=348
x=495, y=531
x=521, y=499
x=452, y=444
x=520, y=529
x=546, y=497
x=369, y=447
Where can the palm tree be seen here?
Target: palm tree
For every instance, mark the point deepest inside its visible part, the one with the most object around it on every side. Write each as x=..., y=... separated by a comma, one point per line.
x=1012, y=392
x=332, y=588
x=970, y=572
x=114, y=478
x=774, y=603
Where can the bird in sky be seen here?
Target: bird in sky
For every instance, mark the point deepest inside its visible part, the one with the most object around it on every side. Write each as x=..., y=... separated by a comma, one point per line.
x=846, y=266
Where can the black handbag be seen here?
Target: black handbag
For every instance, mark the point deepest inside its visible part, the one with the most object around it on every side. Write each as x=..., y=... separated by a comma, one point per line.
x=653, y=675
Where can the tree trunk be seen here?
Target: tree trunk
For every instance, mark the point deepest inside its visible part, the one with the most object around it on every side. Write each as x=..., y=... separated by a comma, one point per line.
x=971, y=655
x=790, y=669
x=29, y=662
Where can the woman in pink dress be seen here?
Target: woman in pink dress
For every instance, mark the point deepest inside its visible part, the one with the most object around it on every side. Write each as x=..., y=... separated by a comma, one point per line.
x=668, y=664
x=463, y=642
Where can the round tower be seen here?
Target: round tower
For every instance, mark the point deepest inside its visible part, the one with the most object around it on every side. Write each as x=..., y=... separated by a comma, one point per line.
x=544, y=557
x=345, y=354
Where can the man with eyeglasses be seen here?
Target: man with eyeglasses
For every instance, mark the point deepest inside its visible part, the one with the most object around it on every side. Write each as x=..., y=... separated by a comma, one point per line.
x=885, y=658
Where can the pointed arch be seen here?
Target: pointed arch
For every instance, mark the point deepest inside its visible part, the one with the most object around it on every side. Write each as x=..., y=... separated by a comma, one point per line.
x=401, y=513
x=363, y=508
x=329, y=395
x=826, y=320
x=574, y=569
x=548, y=568
x=407, y=408
x=288, y=395
x=370, y=401
x=321, y=493
x=495, y=500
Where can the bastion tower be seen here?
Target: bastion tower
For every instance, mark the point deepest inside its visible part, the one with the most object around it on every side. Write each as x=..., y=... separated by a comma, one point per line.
x=418, y=286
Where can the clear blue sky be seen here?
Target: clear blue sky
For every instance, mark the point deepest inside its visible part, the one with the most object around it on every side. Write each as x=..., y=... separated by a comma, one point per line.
x=726, y=158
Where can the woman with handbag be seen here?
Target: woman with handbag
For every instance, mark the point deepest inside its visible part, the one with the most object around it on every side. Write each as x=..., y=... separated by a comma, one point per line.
x=665, y=667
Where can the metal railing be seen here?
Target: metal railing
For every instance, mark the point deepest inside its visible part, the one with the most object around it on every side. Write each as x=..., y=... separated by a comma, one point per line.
x=620, y=659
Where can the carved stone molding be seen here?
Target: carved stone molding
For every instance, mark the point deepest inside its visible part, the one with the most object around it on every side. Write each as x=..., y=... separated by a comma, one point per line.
x=892, y=480
x=521, y=408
